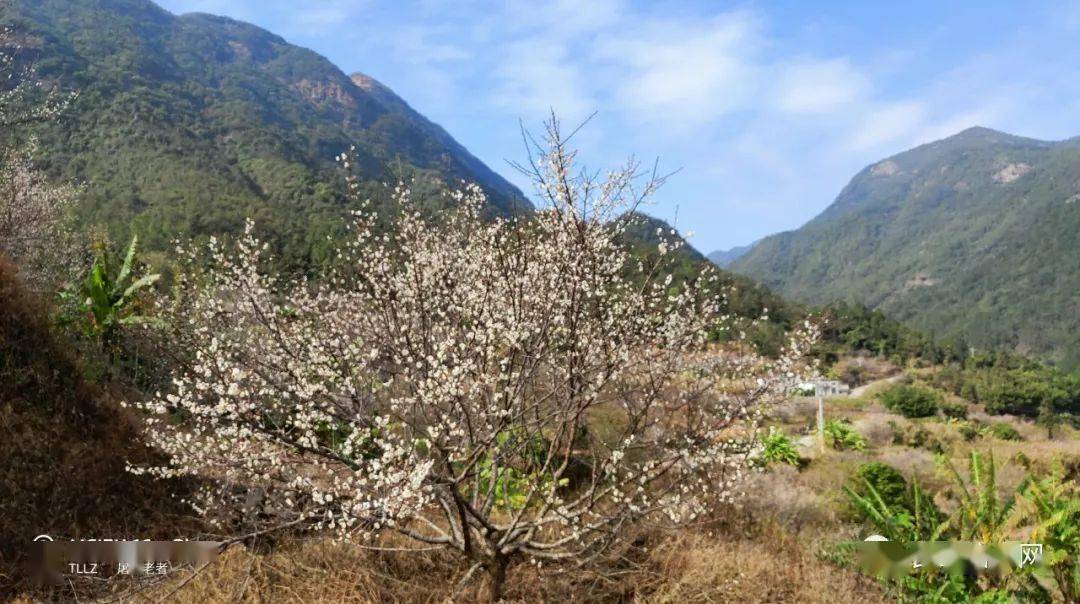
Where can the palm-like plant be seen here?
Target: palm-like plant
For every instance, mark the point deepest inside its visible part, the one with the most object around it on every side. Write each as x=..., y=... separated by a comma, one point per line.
x=778, y=448
x=981, y=514
x=1050, y=503
x=1053, y=504
x=918, y=520
x=106, y=300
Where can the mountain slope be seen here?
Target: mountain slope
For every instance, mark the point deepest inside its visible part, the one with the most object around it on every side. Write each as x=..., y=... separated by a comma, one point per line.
x=188, y=124
x=724, y=258
x=976, y=235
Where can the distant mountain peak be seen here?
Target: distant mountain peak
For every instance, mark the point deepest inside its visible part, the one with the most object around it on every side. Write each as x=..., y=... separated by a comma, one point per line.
x=185, y=125
x=724, y=258
x=977, y=136
x=980, y=131
x=972, y=235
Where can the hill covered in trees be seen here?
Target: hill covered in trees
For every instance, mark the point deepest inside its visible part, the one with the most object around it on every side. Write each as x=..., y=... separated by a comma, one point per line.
x=973, y=236
x=724, y=258
x=186, y=125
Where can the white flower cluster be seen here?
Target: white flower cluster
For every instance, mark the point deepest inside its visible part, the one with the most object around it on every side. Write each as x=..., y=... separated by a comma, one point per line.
x=32, y=210
x=24, y=98
x=508, y=387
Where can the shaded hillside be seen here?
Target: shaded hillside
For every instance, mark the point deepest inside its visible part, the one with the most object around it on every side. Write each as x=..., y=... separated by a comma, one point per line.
x=64, y=445
x=188, y=124
x=976, y=235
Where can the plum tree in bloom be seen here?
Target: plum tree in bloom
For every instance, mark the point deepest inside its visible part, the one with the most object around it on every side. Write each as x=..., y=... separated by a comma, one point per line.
x=32, y=209
x=33, y=230
x=512, y=389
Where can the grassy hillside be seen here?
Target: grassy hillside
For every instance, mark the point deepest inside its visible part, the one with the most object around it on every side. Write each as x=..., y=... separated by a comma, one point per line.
x=975, y=235
x=188, y=124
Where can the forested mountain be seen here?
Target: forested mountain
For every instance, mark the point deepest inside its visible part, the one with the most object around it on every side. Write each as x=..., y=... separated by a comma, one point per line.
x=188, y=124
x=724, y=258
x=976, y=235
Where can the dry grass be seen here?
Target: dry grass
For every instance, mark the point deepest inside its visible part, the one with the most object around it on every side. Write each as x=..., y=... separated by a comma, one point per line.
x=764, y=551
x=773, y=567
x=859, y=370
x=63, y=446
x=723, y=565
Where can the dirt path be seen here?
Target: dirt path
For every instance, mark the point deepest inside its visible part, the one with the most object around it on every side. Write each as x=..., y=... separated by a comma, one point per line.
x=861, y=390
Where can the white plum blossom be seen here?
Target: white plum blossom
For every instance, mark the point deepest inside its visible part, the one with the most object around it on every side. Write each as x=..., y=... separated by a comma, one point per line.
x=32, y=209
x=510, y=388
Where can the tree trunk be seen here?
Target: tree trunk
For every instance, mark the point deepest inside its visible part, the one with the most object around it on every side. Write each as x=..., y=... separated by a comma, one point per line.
x=496, y=577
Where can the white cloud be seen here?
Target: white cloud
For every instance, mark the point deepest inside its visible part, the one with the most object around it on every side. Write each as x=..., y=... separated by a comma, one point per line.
x=819, y=86
x=885, y=124
x=769, y=119
x=685, y=72
x=536, y=75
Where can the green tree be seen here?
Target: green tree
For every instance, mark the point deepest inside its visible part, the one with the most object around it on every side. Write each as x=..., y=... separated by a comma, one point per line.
x=912, y=401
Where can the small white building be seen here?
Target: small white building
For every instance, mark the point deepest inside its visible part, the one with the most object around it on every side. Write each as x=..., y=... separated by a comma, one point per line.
x=821, y=387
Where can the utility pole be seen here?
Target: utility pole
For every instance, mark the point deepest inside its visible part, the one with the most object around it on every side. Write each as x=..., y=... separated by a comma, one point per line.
x=821, y=423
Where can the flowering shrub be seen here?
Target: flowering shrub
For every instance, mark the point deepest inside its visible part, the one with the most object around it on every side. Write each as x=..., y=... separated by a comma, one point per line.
x=511, y=388
x=32, y=210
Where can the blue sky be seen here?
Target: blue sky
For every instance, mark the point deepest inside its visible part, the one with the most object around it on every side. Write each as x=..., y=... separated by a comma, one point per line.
x=767, y=108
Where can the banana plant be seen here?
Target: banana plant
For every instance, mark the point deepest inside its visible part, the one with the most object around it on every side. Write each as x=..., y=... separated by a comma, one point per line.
x=981, y=514
x=1052, y=504
x=918, y=520
x=107, y=301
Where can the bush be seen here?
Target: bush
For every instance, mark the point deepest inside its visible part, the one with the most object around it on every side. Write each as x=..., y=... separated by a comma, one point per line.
x=912, y=401
x=1004, y=431
x=922, y=438
x=886, y=480
x=1026, y=390
x=841, y=436
x=970, y=430
x=954, y=410
x=778, y=448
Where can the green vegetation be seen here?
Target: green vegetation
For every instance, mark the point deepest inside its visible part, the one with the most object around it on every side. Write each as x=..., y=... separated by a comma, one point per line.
x=1008, y=384
x=911, y=517
x=884, y=482
x=857, y=328
x=841, y=436
x=1053, y=504
x=186, y=126
x=982, y=514
x=911, y=401
x=108, y=298
x=953, y=410
x=970, y=430
x=1004, y=431
x=974, y=236
x=979, y=513
x=778, y=448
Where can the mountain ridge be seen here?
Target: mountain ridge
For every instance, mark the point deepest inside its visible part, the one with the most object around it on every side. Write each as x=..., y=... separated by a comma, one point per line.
x=724, y=258
x=972, y=235
x=186, y=125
